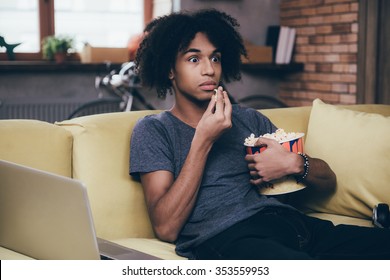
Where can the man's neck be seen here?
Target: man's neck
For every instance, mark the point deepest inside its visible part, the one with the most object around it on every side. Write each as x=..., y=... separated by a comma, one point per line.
x=190, y=115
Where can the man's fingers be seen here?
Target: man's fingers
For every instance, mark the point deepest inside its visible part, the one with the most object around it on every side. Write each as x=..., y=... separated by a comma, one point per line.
x=211, y=106
x=262, y=141
x=257, y=182
x=219, y=100
x=228, y=105
x=250, y=158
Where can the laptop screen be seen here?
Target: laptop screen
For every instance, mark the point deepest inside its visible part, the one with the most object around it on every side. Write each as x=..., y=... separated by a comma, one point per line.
x=45, y=216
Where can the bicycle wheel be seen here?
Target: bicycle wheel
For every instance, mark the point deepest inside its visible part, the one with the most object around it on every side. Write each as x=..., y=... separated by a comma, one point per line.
x=100, y=106
x=262, y=102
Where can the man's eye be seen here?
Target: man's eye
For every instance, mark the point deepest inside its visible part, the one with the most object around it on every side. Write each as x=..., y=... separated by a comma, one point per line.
x=193, y=59
x=216, y=59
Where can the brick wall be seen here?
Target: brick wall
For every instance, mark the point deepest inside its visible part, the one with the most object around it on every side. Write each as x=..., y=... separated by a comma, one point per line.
x=326, y=43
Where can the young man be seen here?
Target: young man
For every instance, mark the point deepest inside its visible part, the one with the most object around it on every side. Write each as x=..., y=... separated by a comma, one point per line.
x=199, y=184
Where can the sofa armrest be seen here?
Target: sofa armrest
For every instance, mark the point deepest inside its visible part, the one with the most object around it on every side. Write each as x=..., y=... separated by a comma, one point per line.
x=37, y=144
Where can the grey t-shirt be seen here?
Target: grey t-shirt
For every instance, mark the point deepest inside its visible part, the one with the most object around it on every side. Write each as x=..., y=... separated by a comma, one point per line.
x=225, y=197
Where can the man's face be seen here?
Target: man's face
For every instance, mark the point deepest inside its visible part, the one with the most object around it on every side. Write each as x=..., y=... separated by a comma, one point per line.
x=197, y=70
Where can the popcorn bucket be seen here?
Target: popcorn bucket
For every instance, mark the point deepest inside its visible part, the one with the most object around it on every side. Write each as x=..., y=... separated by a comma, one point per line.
x=287, y=184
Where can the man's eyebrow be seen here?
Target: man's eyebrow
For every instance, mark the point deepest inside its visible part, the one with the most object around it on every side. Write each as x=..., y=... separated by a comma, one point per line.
x=198, y=51
x=191, y=50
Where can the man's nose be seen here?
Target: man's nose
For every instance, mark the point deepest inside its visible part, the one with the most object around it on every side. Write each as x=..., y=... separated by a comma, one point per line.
x=208, y=68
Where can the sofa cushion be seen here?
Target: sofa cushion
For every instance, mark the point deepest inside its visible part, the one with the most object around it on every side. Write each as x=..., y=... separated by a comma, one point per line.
x=36, y=144
x=356, y=145
x=6, y=254
x=152, y=246
x=101, y=152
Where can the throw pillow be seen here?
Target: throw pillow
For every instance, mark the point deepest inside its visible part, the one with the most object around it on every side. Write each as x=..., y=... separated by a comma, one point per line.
x=356, y=146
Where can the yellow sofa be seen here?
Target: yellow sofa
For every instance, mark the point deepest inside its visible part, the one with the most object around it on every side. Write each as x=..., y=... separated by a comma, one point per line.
x=95, y=149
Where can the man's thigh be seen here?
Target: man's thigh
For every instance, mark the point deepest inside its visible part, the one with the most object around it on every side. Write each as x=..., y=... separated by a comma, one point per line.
x=268, y=235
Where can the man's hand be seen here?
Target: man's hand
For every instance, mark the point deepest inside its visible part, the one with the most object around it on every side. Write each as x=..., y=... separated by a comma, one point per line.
x=217, y=118
x=273, y=163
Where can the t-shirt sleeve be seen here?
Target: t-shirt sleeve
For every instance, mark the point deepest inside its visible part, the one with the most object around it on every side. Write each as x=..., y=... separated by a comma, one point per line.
x=265, y=123
x=149, y=148
x=259, y=123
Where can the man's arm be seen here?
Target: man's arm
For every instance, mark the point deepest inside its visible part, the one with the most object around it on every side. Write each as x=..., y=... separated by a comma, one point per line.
x=320, y=176
x=170, y=202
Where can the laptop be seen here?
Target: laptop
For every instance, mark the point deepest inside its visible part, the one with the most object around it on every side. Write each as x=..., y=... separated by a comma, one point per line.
x=47, y=216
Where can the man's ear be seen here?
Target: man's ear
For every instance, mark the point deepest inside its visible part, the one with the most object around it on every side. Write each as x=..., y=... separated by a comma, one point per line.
x=171, y=75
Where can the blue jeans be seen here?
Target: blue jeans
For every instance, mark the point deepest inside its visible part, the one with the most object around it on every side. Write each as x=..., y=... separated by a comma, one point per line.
x=281, y=233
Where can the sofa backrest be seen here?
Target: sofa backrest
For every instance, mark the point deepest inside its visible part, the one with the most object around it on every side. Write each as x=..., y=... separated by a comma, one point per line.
x=95, y=149
x=293, y=119
x=36, y=144
x=296, y=119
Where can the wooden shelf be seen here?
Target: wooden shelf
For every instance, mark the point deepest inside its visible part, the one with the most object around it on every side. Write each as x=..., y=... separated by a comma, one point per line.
x=71, y=66
x=44, y=66
x=274, y=68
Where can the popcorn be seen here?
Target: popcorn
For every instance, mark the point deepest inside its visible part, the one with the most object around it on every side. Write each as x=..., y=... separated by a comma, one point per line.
x=279, y=135
x=215, y=94
x=251, y=140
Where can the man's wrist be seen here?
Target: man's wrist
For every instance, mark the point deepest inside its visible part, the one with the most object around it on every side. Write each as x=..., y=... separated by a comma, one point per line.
x=306, y=165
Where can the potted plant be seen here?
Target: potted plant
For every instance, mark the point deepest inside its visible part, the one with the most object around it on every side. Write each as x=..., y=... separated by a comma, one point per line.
x=56, y=47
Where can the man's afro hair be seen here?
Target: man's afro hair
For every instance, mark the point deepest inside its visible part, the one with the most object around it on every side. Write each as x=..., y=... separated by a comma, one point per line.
x=166, y=36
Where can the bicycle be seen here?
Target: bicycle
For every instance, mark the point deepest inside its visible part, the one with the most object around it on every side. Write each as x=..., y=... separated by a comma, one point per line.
x=124, y=94
x=124, y=89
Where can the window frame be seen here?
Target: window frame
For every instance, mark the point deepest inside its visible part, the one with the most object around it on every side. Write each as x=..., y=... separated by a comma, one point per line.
x=47, y=28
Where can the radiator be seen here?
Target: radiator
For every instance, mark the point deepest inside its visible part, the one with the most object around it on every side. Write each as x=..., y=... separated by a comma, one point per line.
x=50, y=112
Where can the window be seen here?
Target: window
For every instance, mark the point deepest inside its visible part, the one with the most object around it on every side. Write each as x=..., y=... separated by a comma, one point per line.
x=19, y=22
x=101, y=23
